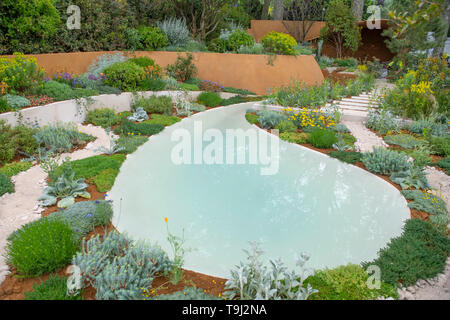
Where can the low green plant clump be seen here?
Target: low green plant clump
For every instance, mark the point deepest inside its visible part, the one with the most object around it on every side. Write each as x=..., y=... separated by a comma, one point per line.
x=11, y=169
x=347, y=282
x=129, y=144
x=15, y=140
x=440, y=145
x=435, y=129
x=243, y=92
x=406, y=141
x=119, y=268
x=61, y=91
x=286, y=126
x=385, y=161
x=251, y=118
x=444, y=164
x=130, y=128
x=295, y=137
x=382, y=121
x=322, y=138
x=4, y=106
x=346, y=156
x=188, y=293
x=54, y=288
x=430, y=203
x=189, y=87
x=84, y=216
x=41, y=246
x=155, y=104
x=104, y=118
x=233, y=100
x=162, y=119
x=6, y=185
x=209, y=99
x=419, y=253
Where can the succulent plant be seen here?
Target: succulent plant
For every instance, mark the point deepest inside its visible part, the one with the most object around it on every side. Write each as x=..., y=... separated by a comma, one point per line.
x=139, y=115
x=413, y=177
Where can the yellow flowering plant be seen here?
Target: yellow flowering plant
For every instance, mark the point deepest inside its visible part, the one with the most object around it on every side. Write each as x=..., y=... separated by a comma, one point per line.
x=20, y=73
x=309, y=118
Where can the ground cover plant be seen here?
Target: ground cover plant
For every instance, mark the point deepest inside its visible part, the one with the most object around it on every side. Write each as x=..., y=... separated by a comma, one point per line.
x=347, y=282
x=385, y=161
x=128, y=127
x=209, y=99
x=104, y=118
x=346, y=156
x=6, y=185
x=419, y=253
x=54, y=288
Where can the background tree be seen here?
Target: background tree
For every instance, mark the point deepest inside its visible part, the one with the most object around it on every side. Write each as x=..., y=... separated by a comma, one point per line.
x=265, y=10
x=278, y=10
x=411, y=22
x=341, y=27
x=201, y=16
x=358, y=9
x=302, y=14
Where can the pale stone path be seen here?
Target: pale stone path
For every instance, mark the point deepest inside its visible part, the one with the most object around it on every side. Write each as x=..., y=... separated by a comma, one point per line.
x=354, y=115
x=21, y=207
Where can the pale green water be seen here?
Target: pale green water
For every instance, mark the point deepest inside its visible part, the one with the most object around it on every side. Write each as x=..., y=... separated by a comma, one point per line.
x=336, y=212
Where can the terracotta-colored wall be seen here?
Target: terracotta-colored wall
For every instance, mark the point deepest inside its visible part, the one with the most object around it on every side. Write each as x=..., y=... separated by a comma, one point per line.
x=259, y=28
x=244, y=71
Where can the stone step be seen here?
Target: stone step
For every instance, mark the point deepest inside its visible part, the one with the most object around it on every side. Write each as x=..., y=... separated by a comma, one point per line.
x=353, y=108
x=357, y=99
x=352, y=103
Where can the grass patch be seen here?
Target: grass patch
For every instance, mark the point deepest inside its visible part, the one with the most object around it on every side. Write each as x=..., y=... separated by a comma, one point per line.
x=295, y=137
x=162, y=119
x=131, y=143
x=135, y=129
x=346, y=156
x=54, y=288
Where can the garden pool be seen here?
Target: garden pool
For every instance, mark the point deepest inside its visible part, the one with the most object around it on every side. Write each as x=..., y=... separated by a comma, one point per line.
x=336, y=212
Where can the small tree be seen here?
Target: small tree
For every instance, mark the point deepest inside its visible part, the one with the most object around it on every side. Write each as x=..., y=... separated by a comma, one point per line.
x=341, y=27
x=302, y=15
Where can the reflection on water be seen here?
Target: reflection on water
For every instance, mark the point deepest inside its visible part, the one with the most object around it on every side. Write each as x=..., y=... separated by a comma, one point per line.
x=336, y=212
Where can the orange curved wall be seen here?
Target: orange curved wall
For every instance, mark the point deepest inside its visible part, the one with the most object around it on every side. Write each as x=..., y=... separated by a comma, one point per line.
x=244, y=71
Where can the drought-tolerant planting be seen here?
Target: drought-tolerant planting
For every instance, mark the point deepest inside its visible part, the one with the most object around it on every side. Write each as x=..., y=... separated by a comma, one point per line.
x=411, y=120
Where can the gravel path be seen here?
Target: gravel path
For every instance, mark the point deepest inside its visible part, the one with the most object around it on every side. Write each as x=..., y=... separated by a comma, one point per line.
x=21, y=207
x=437, y=288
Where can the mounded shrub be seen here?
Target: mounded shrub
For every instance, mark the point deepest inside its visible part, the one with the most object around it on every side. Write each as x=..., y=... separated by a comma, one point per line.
x=419, y=253
x=41, y=246
x=239, y=38
x=268, y=119
x=104, y=118
x=183, y=68
x=155, y=104
x=279, y=43
x=14, y=141
x=61, y=137
x=209, y=99
x=83, y=216
x=126, y=75
x=16, y=102
x=322, y=138
x=4, y=106
x=151, y=38
x=385, y=161
x=406, y=141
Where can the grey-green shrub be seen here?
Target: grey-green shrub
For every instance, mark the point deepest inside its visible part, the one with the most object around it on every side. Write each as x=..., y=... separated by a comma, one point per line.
x=413, y=177
x=61, y=137
x=104, y=61
x=268, y=119
x=16, y=102
x=430, y=203
x=406, y=141
x=382, y=122
x=436, y=129
x=385, y=161
x=83, y=216
x=117, y=267
x=176, y=31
